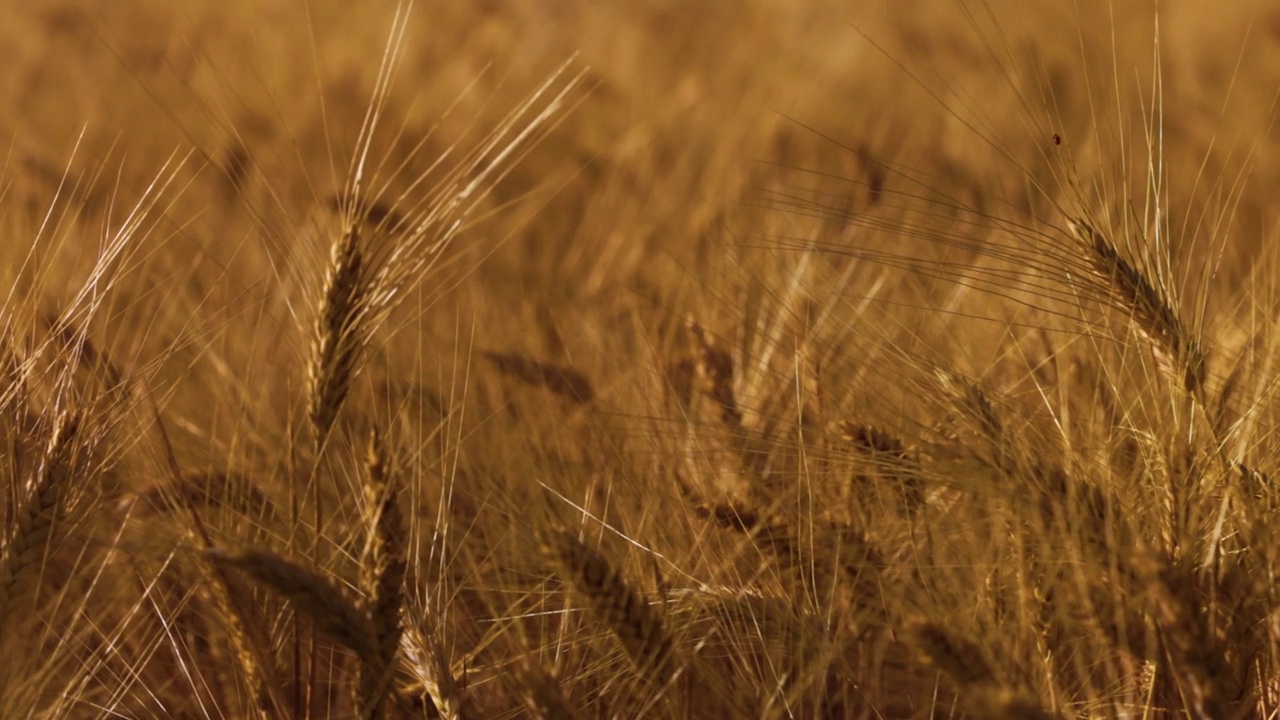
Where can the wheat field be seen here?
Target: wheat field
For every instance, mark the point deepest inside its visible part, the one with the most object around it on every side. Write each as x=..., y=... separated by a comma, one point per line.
x=566, y=359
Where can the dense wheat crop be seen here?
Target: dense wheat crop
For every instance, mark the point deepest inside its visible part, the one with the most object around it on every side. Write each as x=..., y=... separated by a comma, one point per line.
x=572, y=359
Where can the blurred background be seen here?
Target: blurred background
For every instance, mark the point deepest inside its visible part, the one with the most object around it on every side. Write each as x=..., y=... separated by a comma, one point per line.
x=706, y=138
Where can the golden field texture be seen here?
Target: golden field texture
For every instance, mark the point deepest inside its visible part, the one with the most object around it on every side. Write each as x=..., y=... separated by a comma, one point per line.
x=569, y=359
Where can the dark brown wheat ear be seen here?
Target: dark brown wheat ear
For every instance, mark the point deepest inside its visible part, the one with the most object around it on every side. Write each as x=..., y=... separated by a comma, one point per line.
x=613, y=601
x=317, y=596
x=30, y=536
x=560, y=380
x=982, y=692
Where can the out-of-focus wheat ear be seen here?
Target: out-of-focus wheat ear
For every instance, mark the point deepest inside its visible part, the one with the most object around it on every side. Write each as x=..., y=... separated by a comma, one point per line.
x=30, y=537
x=714, y=371
x=982, y=693
x=558, y=379
x=958, y=657
x=1009, y=704
x=382, y=570
x=613, y=602
x=543, y=696
x=310, y=593
x=976, y=410
x=217, y=490
x=1212, y=685
x=1150, y=307
x=340, y=334
x=889, y=457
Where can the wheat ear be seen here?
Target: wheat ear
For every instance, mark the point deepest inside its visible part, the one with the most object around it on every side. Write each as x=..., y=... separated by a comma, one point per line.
x=961, y=660
x=381, y=576
x=32, y=530
x=430, y=667
x=340, y=332
x=543, y=696
x=558, y=379
x=248, y=639
x=1151, y=306
x=334, y=613
x=611, y=598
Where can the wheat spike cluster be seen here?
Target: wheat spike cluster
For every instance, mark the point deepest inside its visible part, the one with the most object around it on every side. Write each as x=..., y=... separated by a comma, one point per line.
x=569, y=360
